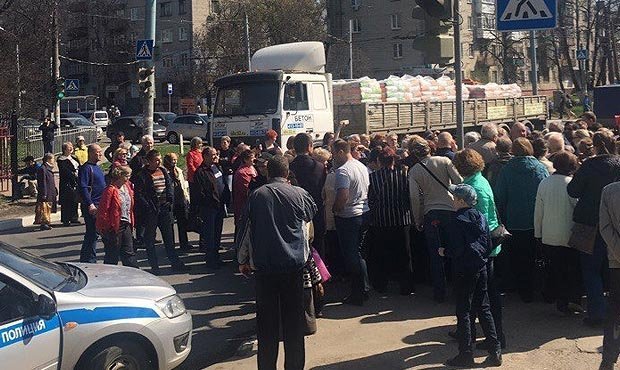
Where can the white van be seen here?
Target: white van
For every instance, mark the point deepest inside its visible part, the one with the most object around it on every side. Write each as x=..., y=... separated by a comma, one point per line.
x=100, y=119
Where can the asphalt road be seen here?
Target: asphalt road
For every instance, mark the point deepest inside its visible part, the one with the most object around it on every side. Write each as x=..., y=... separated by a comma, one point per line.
x=221, y=301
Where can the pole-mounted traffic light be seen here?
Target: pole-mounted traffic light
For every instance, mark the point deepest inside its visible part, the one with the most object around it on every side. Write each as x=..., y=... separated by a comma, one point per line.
x=60, y=88
x=436, y=42
x=144, y=85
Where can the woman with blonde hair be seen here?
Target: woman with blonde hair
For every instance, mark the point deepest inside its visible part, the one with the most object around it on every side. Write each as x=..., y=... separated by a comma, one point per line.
x=115, y=218
x=181, y=198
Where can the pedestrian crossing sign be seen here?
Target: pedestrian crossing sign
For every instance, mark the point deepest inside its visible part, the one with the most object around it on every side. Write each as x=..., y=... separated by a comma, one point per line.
x=525, y=15
x=72, y=85
x=582, y=54
x=144, y=49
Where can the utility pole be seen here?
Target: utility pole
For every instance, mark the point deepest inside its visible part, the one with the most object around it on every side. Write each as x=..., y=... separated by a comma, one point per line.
x=534, y=74
x=247, y=42
x=458, y=73
x=149, y=34
x=56, y=62
x=351, y=49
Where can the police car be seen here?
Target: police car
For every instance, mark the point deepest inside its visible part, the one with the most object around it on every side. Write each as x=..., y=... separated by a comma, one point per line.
x=87, y=316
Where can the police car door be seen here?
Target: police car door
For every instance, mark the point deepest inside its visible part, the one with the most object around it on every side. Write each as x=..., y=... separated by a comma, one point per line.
x=27, y=340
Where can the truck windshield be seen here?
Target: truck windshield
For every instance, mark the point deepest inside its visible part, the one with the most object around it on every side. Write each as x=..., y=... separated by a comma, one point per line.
x=246, y=99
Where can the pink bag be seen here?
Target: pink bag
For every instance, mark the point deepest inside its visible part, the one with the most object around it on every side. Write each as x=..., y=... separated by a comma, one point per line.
x=325, y=275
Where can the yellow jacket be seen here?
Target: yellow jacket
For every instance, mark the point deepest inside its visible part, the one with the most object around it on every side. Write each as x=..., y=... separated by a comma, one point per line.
x=81, y=153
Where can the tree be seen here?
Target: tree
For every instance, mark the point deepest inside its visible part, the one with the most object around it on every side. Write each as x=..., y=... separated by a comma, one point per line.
x=222, y=45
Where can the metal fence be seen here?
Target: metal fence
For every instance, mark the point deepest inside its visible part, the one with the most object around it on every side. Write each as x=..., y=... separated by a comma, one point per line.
x=5, y=152
x=31, y=143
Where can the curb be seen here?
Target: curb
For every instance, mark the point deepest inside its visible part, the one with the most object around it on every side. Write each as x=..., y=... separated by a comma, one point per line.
x=22, y=222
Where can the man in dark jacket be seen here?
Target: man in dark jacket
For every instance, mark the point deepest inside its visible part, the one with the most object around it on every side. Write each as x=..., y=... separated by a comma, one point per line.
x=154, y=197
x=209, y=183
x=310, y=175
x=469, y=251
x=47, y=135
x=274, y=244
x=91, y=182
x=138, y=161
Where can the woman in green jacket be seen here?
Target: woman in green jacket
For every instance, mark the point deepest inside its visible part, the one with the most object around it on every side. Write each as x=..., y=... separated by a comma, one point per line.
x=470, y=164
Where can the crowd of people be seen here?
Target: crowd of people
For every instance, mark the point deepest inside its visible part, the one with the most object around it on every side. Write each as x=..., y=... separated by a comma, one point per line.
x=517, y=209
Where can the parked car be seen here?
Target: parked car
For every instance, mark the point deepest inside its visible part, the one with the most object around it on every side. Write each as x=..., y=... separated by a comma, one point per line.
x=87, y=316
x=133, y=128
x=101, y=119
x=164, y=118
x=189, y=125
x=76, y=120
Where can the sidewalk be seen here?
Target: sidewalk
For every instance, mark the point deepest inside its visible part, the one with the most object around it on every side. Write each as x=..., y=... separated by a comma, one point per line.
x=395, y=332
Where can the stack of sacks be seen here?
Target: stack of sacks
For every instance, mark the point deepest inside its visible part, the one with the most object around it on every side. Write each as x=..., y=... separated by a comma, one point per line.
x=494, y=91
x=363, y=90
x=441, y=89
x=405, y=89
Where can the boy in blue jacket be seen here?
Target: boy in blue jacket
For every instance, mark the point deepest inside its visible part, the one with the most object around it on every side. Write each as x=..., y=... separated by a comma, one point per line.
x=469, y=252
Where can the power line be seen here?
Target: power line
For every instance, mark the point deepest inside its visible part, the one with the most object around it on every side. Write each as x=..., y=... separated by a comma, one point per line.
x=98, y=63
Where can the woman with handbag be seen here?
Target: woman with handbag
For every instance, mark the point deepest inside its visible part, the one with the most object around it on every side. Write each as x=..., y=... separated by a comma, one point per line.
x=515, y=196
x=181, y=199
x=46, y=189
x=68, y=170
x=587, y=184
x=553, y=221
x=470, y=164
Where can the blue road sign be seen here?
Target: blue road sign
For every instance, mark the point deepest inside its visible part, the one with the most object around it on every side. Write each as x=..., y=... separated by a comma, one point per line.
x=582, y=54
x=72, y=86
x=525, y=15
x=144, y=49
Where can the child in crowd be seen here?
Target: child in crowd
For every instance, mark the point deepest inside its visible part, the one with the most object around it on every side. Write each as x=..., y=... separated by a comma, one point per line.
x=469, y=251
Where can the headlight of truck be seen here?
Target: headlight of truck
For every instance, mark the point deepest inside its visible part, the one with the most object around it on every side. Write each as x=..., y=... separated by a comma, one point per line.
x=172, y=306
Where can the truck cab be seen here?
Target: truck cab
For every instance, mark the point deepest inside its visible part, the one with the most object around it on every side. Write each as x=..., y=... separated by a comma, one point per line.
x=289, y=92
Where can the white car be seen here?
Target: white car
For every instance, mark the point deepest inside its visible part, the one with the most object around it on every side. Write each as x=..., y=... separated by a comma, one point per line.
x=189, y=126
x=87, y=316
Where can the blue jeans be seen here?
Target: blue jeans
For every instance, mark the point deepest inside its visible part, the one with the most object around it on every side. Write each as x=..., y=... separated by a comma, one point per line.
x=437, y=228
x=162, y=220
x=350, y=239
x=592, y=268
x=88, y=253
x=211, y=232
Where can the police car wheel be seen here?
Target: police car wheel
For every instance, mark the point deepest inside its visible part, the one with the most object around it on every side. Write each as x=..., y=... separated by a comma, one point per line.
x=120, y=355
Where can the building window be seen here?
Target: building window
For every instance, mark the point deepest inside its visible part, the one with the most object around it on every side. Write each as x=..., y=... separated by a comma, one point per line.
x=471, y=50
x=494, y=76
x=470, y=23
x=395, y=20
x=397, y=51
x=185, y=59
x=120, y=13
x=133, y=37
x=215, y=6
x=182, y=9
x=168, y=62
x=355, y=3
x=357, y=26
x=166, y=36
x=183, y=34
x=165, y=9
x=134, y=14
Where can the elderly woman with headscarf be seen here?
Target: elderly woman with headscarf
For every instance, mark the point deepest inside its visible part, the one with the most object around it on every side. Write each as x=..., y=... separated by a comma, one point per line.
x=46, y=188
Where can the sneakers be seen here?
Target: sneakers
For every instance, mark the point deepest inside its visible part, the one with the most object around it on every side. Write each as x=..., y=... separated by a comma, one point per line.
x=462, y=360
x=45, y=227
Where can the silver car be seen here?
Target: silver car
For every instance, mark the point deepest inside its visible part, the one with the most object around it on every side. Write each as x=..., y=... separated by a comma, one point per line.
x=87, y=316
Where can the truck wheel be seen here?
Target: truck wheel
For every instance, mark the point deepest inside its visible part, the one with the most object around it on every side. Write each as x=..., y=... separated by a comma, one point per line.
x=173, y=138
x=119, y=355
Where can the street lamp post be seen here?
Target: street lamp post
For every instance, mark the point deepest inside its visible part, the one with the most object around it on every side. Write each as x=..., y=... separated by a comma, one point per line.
x=19, y=87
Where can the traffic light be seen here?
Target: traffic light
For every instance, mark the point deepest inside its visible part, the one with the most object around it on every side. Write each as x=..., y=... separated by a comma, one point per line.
x=144, y=85
x=436, y=42
x=60, y=88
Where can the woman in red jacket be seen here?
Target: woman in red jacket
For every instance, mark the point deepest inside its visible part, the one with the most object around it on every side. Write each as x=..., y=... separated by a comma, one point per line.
x=115, y=219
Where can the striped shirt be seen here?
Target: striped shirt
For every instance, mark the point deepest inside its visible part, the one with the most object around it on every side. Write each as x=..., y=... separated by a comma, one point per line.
x=159, y=183
x=388, y=198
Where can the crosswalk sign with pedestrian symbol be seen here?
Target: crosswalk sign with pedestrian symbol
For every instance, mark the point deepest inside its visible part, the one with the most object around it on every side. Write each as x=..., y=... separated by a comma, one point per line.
x=525, y=15
x=144, y=50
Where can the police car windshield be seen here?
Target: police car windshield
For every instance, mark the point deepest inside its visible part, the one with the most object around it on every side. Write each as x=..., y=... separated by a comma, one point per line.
x=45, y=274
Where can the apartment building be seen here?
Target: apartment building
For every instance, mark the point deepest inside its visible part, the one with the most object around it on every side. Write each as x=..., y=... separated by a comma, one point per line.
x=104, y=33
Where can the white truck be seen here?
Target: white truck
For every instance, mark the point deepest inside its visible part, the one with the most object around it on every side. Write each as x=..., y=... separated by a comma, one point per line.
x=289, y=92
